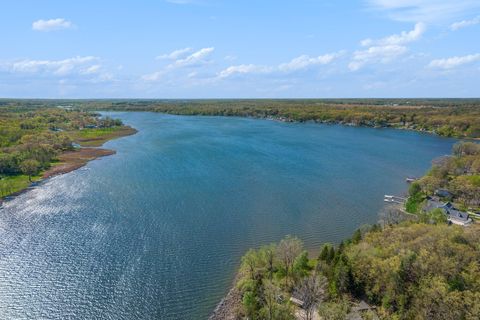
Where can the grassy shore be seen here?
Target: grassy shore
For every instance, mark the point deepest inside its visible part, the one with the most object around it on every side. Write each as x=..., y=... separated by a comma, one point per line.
x=98, y=136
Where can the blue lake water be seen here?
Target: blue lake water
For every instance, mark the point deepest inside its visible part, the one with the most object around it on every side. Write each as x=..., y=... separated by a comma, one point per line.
x=157, y=230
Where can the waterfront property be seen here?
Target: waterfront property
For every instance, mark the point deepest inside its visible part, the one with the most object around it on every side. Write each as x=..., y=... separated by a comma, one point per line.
x=454, y=215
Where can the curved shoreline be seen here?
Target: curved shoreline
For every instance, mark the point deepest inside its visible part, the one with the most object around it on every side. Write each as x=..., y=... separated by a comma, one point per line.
x=72, y=160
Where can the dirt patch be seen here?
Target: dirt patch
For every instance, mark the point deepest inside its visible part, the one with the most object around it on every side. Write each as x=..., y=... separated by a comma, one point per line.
x=72, y=160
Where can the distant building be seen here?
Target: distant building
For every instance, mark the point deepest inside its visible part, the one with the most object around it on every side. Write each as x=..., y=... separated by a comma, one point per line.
x=454, y=215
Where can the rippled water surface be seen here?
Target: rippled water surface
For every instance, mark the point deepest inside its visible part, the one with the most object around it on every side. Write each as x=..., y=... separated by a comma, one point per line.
x=156, y=231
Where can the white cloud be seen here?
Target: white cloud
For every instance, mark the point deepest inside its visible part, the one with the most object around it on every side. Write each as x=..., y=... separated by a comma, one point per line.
x=91, y=69
x=57, y=67
x=242, y=69
x=379, y=54
x=299, y=63
x=305, y=61
x=424, y=10
x=465, y=23
x=453, y=62
x=174, y=54
x=155, y=76
x=181, y=59
x=195, y=58
x=398, y=39
x=386, y=49
x=51, y=25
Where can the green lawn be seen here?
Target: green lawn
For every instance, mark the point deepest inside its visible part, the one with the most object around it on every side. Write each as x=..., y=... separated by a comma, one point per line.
x=12, y=184
x=98, y=136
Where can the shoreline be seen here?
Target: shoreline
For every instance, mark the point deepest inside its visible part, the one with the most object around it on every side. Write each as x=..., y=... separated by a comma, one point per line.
x=72, y=160
x=394, y=126
x=228, y=308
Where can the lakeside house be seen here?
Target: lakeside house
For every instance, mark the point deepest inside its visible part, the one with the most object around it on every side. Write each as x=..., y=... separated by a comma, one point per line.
x=454, y=215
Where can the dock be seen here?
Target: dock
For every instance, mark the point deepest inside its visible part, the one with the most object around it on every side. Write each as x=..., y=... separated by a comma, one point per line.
x=394, y=199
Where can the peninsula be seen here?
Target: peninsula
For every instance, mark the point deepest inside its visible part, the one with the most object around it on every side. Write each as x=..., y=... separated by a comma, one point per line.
x=38, y=143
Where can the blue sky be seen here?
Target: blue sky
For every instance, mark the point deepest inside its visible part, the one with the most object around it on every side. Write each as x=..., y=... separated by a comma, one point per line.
x=240, y=49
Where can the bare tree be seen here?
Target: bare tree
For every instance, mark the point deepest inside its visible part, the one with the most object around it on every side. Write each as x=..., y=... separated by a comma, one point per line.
x=392, y=214
x=311, y=292
x=287, y=250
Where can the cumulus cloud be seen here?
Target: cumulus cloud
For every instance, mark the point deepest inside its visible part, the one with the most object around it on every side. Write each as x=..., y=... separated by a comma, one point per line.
x=196, y=58
x=423, y=10
x=464, y=23
x=302, y=62
x=174, y=54
x=79, y=65
x=155, y=76
x=91, y=69
x=386, y=49
x=243, y=69
x=305, y=61
x=182, y=59
x=398, y=39
x=51, y=25
x=381, y=54
x=453, y=62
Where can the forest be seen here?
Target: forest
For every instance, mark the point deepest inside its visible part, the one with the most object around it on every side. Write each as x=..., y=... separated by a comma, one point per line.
x=446, y=117
x=408, y=271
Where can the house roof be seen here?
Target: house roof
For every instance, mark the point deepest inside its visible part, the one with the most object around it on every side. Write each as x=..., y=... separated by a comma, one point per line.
x=448, y=208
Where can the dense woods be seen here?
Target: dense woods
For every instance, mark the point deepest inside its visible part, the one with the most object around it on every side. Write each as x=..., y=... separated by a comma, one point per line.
x=407, y=271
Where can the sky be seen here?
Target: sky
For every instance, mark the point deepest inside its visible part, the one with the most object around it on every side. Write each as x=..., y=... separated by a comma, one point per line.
x=239, y=49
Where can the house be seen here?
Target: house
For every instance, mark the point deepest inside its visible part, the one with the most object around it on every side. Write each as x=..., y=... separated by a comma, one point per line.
x=454, y=215
x=443, y=193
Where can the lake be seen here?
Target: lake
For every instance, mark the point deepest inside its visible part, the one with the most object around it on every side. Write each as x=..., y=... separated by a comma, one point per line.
x=157, y=230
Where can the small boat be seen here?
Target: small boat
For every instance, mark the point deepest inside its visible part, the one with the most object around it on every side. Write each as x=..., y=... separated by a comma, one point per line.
x=410, y=180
